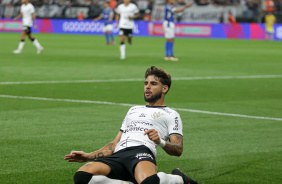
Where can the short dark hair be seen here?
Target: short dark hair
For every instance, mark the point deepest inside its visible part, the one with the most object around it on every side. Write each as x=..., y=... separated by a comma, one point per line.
x=164, y=77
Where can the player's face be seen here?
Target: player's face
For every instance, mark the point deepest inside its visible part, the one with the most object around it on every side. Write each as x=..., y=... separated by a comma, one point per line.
x=106, y=5
x=153, y=89
x=24, y=1
x=171, y=2
x=126, y=1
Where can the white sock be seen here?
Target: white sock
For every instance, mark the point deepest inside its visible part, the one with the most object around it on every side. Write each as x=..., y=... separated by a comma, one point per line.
x=169, y=178
x=122, y=50
x=36, y=43
x=99, y=179
x=21, y=45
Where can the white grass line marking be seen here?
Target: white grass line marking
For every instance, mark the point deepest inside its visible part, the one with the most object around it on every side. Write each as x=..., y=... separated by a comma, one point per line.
x=130, y=105
x=134, y=80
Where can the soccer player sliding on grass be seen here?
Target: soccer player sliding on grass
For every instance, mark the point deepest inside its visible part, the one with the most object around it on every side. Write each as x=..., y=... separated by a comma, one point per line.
x=131, y=156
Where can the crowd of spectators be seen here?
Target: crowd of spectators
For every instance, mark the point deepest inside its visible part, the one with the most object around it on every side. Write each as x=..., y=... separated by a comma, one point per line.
x=247, y=8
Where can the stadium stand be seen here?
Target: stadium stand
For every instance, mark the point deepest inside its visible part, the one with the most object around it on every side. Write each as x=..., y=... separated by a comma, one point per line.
x=246, y=10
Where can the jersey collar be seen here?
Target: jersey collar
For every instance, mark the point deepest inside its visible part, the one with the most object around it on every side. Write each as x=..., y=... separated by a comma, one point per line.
x=155, y=106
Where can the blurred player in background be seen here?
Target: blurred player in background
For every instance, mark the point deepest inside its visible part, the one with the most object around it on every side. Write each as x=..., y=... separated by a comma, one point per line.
x=168, y=26
x=27, y=14
x=107, y=15
x=126, y=13
x=131, y=156
x=269, y=26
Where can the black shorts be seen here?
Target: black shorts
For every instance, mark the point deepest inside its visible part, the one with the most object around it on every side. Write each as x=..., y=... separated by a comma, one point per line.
x=125, y=32
x=123, y=162
x=27, y=29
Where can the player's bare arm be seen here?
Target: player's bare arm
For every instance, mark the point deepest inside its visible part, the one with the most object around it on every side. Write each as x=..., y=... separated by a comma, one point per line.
x=174, y=147
x=34, y=20
x=98, y=18
x=184, y=8
x=134, y=17
x=19, y=16
x=81, y=156
x=117, y=19
x=111, y=17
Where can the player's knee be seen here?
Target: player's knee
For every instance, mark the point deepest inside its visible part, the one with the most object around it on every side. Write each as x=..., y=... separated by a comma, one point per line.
x=82, y=177
x=154, y=179
x=31, y=38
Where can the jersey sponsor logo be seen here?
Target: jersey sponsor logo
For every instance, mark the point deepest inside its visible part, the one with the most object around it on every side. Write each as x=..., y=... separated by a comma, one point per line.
x=176, y=123
x=142, y=115
x=135, y=129
x=157, y=115
x=166, y=110
x=143, y=155
x=134, y=108
x=132, y=113
x=137, y=126
x=134, y=123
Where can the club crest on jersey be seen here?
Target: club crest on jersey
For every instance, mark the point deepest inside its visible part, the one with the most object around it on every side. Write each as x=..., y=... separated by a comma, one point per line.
x=157, y=115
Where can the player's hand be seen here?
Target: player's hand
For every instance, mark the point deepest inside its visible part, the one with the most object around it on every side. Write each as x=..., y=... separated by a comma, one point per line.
x=35, y=26
x=130, y=17
x=153, y=135
x=77, y=156
x=189, y=5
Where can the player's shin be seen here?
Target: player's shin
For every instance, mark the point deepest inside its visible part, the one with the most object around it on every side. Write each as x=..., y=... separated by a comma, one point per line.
x=99, y=179
x=171, y=48
x=107, y=38
x=36, y=43
x=21, y=45
x=167, y=51
x=122, y=51
x=169, y=178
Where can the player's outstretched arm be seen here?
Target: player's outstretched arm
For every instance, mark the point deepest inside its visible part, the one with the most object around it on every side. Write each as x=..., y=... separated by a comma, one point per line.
x=174, y=147
x=136, y=15
x=117, y=19
x=34, y=21
x=19, y=16
x=81, y=156
x=98, y=18
x=184, y=8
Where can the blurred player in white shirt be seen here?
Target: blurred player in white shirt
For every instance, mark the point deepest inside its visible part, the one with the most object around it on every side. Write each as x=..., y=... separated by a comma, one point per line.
x=27, y=13
x=126, y=13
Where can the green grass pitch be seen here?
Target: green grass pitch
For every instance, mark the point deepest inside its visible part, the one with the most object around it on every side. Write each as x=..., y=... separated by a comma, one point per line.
x=218, y=149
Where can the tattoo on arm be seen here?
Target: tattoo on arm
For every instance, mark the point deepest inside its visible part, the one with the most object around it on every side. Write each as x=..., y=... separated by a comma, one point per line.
x=103, y=152
x=175, y=146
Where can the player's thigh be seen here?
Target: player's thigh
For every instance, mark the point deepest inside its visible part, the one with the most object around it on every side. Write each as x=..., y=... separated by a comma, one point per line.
x=96, y=168
x=143, y=170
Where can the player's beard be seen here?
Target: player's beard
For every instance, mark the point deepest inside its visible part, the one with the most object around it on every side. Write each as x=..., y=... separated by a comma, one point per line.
x=154, y=97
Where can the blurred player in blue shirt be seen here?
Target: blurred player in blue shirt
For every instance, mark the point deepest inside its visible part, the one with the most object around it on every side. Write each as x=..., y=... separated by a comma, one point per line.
x=107, y=15
x=168, y=26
